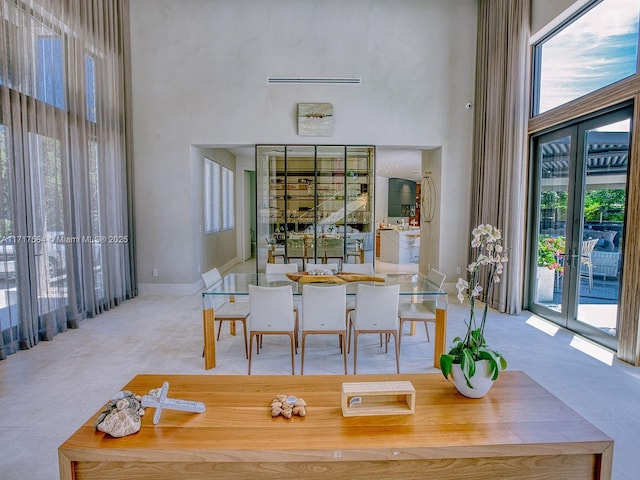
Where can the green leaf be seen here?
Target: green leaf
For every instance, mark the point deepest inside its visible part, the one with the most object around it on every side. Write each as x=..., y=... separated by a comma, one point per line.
x=503, y=362
x=468, y=365
x=445, y=365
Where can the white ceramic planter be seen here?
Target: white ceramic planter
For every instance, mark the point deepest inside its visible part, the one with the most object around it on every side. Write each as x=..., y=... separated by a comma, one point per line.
x=481, y=381
x=546, y=280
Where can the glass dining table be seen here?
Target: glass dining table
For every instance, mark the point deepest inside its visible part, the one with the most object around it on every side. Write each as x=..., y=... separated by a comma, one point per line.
x=235, y=287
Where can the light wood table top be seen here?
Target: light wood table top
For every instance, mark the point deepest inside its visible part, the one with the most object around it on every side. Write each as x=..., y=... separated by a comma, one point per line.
x=518, y=418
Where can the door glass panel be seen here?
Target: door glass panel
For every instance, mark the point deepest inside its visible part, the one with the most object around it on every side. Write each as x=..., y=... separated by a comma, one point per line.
x=309, y=209
x=49, y=239
x=359, y=231
x=604, y=199
x=299, y=189
x=332, y=205
x=552, y=214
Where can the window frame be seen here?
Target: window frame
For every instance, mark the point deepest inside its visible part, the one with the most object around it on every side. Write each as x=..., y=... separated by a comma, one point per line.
x=218, y=197
x=536, y=62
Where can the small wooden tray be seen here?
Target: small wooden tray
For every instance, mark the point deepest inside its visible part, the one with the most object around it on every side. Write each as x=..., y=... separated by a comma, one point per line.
x=378, y=398
x=304, y=277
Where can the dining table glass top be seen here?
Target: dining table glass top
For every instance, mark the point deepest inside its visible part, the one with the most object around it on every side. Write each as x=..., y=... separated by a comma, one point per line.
x=237, y=284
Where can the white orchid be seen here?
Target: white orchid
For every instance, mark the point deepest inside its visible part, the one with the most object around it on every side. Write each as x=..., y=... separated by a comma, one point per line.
x=491, y=255
x=462, y=286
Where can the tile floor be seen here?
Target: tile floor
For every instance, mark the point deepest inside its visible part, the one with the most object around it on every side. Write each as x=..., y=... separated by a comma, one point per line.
x=48, y=392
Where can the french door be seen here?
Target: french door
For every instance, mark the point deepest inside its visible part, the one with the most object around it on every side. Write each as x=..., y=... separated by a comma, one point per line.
x=578, y=221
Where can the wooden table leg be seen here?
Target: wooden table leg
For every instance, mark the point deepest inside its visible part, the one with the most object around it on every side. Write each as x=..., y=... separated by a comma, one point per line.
x=209, y=329
x=232, y=325
x=362, y=255
x=606, y=464
x=441, y=336
x=65, y=468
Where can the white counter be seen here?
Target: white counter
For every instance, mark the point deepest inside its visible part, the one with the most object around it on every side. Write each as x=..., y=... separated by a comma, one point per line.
x=399, y=246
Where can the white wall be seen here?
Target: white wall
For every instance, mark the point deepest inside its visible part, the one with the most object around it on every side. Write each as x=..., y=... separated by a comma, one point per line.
x=547, y=14
x=200, y=73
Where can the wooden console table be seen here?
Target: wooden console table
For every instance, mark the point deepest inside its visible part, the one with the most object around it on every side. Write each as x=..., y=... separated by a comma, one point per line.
x=518, y=431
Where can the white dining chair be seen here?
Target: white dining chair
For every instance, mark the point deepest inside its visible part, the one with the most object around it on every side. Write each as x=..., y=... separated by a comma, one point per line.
x=323, y=313
x=376, y=312
x=229, y=311
x=310, y=266
x=272, y=314
x=423, y=311
x=272, y=268
x=363, y=268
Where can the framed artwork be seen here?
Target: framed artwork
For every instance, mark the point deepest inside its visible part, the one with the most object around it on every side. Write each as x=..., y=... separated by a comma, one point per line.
x=315, y=119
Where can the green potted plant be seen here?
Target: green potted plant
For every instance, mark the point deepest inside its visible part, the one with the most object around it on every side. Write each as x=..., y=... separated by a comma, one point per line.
x=550, y=252
x=472, y=365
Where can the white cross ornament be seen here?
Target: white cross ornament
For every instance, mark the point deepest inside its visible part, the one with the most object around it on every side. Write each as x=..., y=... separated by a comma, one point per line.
x=161, y=402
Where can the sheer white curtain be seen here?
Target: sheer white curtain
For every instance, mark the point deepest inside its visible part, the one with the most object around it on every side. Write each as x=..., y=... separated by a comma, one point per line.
x=500, y=140
x=64, y=166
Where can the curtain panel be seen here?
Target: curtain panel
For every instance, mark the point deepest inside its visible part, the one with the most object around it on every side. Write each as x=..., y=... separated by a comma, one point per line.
x=500, y=141
x=65, y=228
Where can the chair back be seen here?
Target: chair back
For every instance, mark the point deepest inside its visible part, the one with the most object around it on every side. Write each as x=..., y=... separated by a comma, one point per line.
x=271, y=308
x=296, y=247
x=320, y=266
x=333, y=248
x=363, y=268
x=280, y=268
x=211, y=277
x=376, y=307
x=588, y=246
x=323, y=307
x=436, y=278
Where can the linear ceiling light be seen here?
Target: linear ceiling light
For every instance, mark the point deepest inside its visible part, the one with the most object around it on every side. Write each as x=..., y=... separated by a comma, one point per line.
x=320, y=80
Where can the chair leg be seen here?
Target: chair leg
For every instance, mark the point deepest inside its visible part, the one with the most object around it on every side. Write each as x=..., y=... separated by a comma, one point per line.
x=397, y=343
x=426, y=327
x=219, y=330
x=293, y=342
x=251, y=350
x=304, y=337
x=246, y=346
x=400, y=336
x=295, y=330
x=343, y=350
x=355, y=350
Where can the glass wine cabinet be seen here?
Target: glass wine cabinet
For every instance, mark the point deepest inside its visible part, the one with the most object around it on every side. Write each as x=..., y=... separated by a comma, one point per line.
x=314, y=204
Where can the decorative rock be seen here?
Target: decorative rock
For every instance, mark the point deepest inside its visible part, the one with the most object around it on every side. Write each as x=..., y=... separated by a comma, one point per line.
x=288, y=406
x=275, y=411
x=121, y=416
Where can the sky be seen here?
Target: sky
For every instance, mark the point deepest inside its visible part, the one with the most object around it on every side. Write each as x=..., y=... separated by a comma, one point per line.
x=594, y=51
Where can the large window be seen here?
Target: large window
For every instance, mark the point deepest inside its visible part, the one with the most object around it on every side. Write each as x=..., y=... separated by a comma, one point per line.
x=596, y=49
x=218, y=197
x=64, y=228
